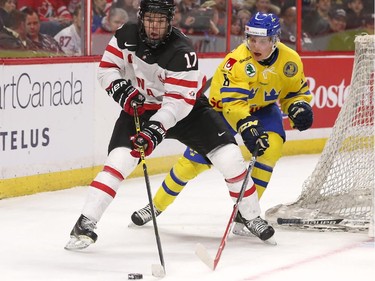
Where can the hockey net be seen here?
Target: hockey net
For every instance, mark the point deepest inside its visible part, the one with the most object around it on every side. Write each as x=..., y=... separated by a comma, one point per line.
x=339, y=194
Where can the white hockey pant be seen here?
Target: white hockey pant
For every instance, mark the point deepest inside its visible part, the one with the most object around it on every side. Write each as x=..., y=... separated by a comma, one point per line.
x=229, y=161
x=118, y=165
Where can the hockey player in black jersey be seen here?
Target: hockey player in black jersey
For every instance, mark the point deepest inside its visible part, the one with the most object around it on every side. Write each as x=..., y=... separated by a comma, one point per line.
x=153, y=65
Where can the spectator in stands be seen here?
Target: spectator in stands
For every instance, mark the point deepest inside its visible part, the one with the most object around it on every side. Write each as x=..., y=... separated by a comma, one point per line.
x=308, y=6
x=336, y=21
x=236, y=32
x=185, y=6
x=6, y=6
x=317, y=21
x=14, y=37
x=130, y=6
x=176, y=22
x=369, y=22
x=344, y=40
x=99, y=12
x=265, y=6
x=187, y=10
x=338, y=39
x=43, y=42
x=236, y=26
x=54, y=14
x=355, y=14
x=69, y=38
x=198, y=20
x=242, y=4
x=72, y=4
x=116, y=18
x=288, y=23
x=219, y=19
x=237, y=5
x=244, y=15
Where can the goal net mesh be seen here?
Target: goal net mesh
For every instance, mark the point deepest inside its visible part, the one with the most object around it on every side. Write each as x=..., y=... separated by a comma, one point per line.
x=342, y=183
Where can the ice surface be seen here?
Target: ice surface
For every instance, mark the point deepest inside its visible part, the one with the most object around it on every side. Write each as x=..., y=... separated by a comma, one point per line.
x=34, y=230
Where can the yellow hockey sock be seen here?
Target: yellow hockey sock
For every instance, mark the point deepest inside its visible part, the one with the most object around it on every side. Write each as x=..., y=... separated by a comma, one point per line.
x=182, y=171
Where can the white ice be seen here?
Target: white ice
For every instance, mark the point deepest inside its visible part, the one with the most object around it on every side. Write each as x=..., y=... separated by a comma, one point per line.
x=34, y=230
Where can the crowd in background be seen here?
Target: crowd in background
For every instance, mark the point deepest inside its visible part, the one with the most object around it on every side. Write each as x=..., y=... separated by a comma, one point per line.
x=327, y=25
x=53, y=27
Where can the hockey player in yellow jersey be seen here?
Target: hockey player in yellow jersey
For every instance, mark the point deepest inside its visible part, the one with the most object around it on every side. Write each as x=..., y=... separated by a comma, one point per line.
x=248, y=88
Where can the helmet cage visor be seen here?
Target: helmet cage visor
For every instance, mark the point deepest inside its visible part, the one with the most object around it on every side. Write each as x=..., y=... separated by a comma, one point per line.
x=157, y=11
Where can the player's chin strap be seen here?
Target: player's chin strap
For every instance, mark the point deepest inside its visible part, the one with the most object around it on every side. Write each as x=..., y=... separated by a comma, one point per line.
x=157, y=270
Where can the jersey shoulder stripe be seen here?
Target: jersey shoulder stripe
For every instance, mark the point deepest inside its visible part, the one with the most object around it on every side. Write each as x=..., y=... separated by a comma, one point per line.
x=114, y=51
x=105, y=64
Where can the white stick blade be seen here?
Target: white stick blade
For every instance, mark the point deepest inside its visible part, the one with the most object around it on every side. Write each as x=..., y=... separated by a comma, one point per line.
x=203, y=254
x=158, y=270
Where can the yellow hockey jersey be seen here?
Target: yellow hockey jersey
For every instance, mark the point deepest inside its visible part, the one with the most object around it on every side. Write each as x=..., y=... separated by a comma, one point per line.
x=241, y=85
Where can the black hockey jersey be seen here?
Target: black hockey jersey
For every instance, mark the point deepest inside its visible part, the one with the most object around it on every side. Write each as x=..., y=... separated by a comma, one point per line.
x=167, y=76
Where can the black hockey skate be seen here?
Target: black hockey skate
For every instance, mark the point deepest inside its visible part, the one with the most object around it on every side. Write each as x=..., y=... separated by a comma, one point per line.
x=260, y=228
x=256, y=227
x=143, y=216
x=82, y=234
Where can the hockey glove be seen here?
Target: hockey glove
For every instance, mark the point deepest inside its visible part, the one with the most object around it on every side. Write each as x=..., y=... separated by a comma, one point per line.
x=149, y=137
x=252, y=133
x=126, y=95
x=301, y=115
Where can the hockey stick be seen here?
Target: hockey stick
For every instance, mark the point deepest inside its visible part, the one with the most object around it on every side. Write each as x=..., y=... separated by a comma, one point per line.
x=200, y=250
x=326, y=224
x=157, y=270
x=309, y=222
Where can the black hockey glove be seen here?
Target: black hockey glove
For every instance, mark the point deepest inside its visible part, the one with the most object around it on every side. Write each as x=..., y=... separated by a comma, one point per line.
x=149, y=137
x=126, y=95
x=252, y=133
x=301, y=115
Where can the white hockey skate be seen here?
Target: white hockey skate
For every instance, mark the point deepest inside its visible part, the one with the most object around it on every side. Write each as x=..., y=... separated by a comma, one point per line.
x=82, y=234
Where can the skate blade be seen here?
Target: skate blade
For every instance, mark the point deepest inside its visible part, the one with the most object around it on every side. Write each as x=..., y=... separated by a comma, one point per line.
x=270, y=241
x=133, y=225
x=240, y=230
x=78, y=243
x=157, y=270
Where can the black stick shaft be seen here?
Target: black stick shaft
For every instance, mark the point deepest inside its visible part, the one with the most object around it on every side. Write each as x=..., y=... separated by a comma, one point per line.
x=308, y=222
x=148, y=187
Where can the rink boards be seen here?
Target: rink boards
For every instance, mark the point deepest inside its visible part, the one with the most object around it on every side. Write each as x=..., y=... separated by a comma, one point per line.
x=56, y=121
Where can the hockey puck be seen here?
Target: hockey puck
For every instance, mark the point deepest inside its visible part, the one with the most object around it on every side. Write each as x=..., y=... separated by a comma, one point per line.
x=135, y=276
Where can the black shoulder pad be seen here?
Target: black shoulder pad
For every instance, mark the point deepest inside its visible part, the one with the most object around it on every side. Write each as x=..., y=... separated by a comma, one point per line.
x=127, y=36
x=181, y=55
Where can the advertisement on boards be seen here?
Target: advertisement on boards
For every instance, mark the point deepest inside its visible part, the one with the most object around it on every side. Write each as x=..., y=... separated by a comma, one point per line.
x=55, y=117
x=46, y=117
x=329, y=80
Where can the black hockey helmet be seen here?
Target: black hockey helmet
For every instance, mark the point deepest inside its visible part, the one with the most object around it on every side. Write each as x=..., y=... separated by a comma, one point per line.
x=164, y=7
